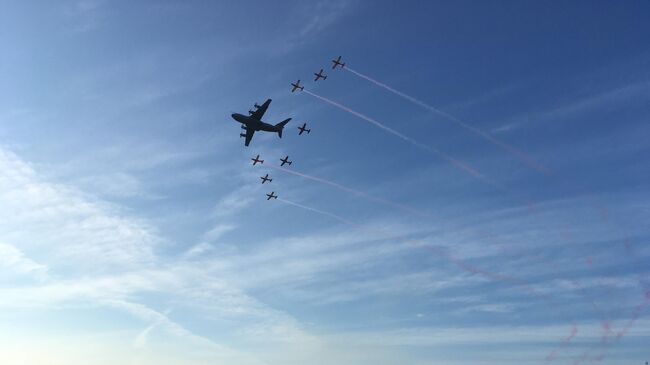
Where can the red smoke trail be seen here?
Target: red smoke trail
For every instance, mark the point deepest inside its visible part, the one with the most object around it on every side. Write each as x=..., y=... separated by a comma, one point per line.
x=355, y=192
x=434, y=150
x=441, y=252
x=527, y=159
x=455, y=163
x=638, y=310
x=520, y=154
x=551, y=356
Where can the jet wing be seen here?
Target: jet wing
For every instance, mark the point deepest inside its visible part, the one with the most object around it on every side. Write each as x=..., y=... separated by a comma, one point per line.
x=259, y=113
x=249, y=136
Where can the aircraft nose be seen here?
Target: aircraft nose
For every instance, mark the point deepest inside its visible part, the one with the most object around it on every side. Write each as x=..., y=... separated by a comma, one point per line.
x=233, y=115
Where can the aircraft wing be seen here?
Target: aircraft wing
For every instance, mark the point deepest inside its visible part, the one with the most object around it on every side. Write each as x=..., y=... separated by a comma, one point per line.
x=259, y=113
x=249, y=136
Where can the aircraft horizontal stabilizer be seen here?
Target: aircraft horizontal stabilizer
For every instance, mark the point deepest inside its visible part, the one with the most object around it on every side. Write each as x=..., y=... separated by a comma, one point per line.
x=281, y=126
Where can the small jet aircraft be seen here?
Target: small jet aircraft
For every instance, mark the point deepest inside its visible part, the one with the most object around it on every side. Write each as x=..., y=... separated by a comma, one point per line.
x=296, y=86
x=303, y=128
x=285, y=160
x=337, y=62
x=253, y=123
x=266, y=178
x=320, y=75
x=271, y=195
x=257, y=160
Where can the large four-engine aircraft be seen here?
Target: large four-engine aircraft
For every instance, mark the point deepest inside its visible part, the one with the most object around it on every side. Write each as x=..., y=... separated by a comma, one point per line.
x=253, y=123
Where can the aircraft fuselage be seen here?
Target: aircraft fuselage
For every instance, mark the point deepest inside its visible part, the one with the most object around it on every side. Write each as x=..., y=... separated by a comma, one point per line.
x=254, y=124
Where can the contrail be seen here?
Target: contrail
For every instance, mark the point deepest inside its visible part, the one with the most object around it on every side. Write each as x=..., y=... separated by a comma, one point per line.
x=518, y=153
x=328, y=214
x=434, y=150
x=355, y=192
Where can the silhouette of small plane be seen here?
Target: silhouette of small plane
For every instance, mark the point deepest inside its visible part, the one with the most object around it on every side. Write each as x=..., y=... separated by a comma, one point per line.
x=256, y=160
x=285, y=160
x=271, y=195
x=320, y=75
x=337, y=62
x=296, y=86
x=253, y=123
x=303, y=129
x=266, y=178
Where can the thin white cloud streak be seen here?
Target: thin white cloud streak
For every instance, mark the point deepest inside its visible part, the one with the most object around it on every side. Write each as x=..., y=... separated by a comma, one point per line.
x=610, y=99
x=603, y=100
x=66, y=223
x=14, y=259
x=49, y=210
x=472, y=335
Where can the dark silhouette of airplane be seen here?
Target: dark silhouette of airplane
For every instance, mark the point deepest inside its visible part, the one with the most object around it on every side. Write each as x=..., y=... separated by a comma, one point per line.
x=303, y=129
x=266, y=178
x=337, y=62
x=256, y=159
x=285, y=160
x=296, y=85
x=320, y=75
x=271, y=195
x=253, y=123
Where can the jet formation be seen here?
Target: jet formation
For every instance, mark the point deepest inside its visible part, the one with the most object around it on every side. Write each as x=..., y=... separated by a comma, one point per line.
x=266, y=178
x=252, y=123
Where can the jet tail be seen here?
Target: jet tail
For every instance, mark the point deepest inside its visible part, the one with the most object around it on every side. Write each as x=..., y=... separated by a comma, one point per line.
x=281, y=126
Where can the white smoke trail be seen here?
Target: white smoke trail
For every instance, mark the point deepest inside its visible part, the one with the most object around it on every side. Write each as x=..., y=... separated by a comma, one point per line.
x=514, y=151
x=328, y=214
x=434, y=150
x=355, y=192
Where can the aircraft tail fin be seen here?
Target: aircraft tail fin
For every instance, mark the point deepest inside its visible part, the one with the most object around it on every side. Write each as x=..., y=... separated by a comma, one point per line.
x=281, y=126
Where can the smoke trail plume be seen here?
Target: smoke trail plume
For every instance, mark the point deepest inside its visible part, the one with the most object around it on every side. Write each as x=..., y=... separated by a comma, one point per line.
x=434, y=150
x=321, y=212
x=355, y=192
x=512, y=150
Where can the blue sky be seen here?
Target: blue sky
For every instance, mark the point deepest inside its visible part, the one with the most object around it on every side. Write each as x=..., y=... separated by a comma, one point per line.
x=134, y=230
